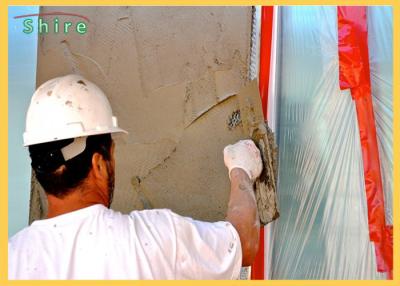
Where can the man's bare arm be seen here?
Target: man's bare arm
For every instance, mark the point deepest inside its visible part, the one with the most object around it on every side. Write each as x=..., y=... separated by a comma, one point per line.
x=242, y=213
x=243, y=161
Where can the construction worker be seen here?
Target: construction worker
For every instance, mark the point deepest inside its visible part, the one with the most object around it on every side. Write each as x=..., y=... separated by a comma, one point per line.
x=68, y=131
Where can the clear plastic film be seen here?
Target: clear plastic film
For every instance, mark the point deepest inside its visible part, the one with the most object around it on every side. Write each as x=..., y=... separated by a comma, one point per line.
x=323, y=229
x=380, y=44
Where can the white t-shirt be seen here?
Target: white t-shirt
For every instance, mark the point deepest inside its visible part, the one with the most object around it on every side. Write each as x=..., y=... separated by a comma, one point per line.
x=99, y=243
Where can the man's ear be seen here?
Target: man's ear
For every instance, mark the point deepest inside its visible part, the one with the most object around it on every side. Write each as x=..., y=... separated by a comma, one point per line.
x=99, y=166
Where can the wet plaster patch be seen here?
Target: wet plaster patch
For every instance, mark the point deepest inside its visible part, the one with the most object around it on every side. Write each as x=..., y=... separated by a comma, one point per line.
x=195, y=172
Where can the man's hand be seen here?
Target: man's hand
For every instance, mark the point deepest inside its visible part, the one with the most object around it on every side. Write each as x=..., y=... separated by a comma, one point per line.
x=244, y=155
x=243, y=161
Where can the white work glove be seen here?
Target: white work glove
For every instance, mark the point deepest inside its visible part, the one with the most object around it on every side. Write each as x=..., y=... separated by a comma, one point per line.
x=244, y=155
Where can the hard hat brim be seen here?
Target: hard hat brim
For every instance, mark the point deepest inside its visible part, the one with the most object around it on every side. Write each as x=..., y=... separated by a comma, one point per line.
x=31, y=141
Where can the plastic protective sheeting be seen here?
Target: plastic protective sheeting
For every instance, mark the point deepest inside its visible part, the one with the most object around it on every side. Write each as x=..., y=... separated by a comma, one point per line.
x=323, y=229
x=380, y=44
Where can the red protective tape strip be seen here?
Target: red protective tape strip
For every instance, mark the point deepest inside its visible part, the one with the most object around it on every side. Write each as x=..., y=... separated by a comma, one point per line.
x=354, y=73
x=267, y=14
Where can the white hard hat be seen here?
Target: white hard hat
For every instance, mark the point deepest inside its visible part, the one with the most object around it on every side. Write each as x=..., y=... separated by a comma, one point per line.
x=68, y=107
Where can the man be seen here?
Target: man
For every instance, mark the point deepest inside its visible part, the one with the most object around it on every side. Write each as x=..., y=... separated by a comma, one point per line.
x=68, y=131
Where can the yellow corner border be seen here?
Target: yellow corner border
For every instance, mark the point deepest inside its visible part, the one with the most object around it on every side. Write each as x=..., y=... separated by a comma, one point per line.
x=396, y=140
x=4, y=136
x=3, y=142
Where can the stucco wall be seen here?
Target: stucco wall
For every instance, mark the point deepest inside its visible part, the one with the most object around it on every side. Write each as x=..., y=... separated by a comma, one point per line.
x=163, y=69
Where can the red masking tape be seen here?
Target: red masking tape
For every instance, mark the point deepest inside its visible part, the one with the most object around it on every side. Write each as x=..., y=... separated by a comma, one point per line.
x=354, y=74
x=267, y=14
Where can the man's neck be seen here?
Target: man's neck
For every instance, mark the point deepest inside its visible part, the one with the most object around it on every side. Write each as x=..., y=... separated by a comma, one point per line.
x=75, y=200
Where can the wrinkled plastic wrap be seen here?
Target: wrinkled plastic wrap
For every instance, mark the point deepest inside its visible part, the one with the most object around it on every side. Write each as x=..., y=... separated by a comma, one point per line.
x=323, y=229
x=380, y=43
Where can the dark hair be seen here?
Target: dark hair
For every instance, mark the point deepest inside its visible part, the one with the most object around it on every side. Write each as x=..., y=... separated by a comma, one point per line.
x=47, y=160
